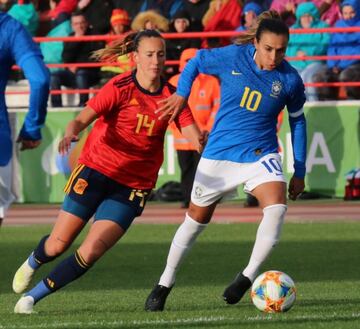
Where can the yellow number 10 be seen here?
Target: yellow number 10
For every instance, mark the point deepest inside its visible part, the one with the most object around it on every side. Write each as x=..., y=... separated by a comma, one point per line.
x=250, y=100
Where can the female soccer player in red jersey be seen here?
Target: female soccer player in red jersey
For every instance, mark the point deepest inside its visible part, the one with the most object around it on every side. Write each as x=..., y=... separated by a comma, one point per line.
x=117, y=169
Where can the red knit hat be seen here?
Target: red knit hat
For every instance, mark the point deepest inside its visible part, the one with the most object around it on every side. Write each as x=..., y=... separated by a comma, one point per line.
x=119, y=16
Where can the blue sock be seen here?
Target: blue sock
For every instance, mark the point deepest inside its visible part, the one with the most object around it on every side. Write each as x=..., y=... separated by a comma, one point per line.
x=33, y=263
x=39, y=291
x=67, y=271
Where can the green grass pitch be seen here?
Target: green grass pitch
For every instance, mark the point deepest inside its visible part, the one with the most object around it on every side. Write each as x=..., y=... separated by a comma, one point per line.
x=322, y=258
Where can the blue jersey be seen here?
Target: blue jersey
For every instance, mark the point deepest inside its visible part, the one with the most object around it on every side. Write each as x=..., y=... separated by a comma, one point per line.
x=17, y=46
x=251, y=99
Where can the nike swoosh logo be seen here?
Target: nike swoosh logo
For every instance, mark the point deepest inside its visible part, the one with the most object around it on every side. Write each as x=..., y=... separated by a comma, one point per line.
x=235, y=73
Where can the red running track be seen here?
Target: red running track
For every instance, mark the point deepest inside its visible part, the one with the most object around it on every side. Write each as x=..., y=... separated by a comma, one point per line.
x=155, y=213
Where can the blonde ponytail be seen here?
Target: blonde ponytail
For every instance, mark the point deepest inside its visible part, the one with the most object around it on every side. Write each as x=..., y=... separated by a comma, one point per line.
x=121, y=47
x=115, y=49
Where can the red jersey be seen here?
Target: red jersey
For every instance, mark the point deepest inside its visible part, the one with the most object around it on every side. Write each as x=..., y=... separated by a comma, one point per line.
x=127, y=141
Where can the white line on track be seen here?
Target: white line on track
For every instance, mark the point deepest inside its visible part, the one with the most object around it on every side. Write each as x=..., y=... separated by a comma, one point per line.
x=199, y=320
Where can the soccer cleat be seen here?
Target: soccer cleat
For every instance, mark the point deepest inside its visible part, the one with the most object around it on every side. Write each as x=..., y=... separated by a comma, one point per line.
x=24, y=305
x=22, y=277
x=236, y=290
x=157, y=298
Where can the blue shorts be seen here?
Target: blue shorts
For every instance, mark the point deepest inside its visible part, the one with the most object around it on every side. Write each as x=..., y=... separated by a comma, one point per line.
x=89, y=192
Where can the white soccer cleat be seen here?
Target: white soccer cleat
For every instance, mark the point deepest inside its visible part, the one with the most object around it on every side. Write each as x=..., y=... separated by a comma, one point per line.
x=22, y=277
x=24, y=305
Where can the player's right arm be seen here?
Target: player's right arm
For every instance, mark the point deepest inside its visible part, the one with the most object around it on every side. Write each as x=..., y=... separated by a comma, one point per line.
x=74, y=127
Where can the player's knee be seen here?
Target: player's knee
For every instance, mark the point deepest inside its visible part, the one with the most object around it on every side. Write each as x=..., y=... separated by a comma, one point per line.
x=202, y=215
x=91, y=252
x=55, y=247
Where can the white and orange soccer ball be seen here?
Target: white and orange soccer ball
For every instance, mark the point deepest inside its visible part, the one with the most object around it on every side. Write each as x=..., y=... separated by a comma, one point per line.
x=273, y=291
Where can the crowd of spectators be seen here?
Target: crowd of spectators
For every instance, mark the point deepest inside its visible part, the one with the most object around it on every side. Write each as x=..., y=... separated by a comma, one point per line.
x=117, y=17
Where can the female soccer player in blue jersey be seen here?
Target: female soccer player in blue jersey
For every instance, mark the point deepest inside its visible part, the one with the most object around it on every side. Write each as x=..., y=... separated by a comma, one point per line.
x=256, y=84
x=18, y=47
x=117, y=169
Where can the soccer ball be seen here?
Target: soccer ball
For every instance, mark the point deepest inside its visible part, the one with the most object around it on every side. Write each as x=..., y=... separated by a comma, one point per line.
x=273, y=291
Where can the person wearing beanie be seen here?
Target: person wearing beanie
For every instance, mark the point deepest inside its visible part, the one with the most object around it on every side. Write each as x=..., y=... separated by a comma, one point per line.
x=120, y=21
x=120, y=25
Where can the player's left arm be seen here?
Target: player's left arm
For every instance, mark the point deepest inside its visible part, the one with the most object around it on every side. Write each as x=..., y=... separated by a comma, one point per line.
x=297, y=123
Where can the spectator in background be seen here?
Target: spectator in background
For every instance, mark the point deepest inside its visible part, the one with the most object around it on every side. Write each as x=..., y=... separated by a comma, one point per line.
x=61, y=10
x=167, y=8
x=5, y=5
x=308, y=44
x=17, y=46
x=343, y=43
x=76, y=52
x=329, y=10
x=204, y=102
x=120, y=25
x=150, y=20
x=97, y=13
x=286, y=9
x=24, y=11
x=119, y=21
x=264, y=4
x=221, y=6
x=174, y=47
x=248, y=18
x=222, y=15
x=196, y=10
x=52, y=50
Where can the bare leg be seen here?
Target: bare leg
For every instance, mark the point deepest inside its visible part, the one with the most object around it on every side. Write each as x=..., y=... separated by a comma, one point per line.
x=66, y=228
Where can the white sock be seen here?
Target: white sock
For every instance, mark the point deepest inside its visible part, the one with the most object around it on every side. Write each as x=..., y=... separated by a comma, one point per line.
x=182, y=242
x=267, y=236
